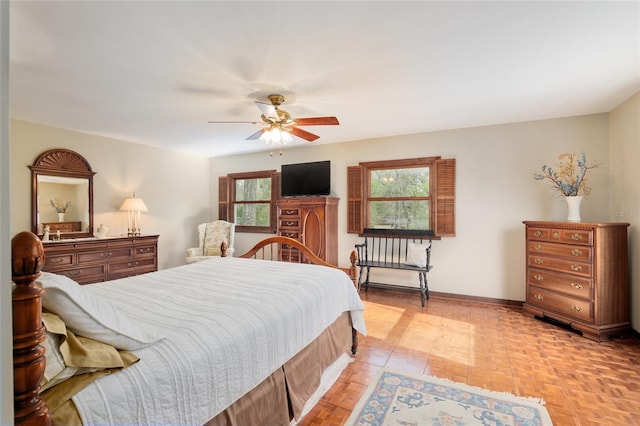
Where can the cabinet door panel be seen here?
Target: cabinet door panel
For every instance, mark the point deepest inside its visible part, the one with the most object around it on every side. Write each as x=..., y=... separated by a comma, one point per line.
x=313, y=229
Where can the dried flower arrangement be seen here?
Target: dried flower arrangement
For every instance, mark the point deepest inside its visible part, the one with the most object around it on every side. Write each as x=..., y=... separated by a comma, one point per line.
x=60, y=207
x=568, y=175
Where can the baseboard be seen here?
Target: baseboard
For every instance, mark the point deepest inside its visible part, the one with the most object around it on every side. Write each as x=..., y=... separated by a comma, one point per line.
x=478, y=299
x=441, y=295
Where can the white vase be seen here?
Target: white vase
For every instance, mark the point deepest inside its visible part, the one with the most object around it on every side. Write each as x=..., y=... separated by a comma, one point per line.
x=60, y=217
x=573, y=208
x=101, y=232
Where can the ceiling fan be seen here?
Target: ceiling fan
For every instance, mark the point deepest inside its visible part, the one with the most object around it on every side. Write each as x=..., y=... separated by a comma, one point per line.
x=279, y=124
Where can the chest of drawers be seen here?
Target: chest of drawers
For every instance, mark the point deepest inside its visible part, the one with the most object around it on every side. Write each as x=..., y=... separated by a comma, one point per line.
x=95, y=260
x=577, y=273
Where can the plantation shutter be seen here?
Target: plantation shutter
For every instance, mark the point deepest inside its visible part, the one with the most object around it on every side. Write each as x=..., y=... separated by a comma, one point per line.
x=275, y=194
x=354, y=200
x=445, y=201
x=223, y=198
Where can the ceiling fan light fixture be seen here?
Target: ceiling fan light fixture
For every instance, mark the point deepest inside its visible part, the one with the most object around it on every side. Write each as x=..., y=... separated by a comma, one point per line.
x=276, y=136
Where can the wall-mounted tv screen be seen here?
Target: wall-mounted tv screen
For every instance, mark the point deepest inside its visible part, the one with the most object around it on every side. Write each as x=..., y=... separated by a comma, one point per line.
x=305, y=179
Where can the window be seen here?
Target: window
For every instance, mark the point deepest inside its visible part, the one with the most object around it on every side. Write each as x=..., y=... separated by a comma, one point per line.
x=248, y=200
x=416, y=193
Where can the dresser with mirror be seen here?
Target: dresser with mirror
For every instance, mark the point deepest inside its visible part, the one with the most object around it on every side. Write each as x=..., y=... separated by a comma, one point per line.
x=62, y=215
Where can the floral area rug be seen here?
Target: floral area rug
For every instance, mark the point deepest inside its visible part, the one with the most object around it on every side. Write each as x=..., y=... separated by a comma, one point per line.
x=401, y=398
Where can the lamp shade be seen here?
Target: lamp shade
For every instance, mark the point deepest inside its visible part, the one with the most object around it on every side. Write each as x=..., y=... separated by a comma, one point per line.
x=134, y=204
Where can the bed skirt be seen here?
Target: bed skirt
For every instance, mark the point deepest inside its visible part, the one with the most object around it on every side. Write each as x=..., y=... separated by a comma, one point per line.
x=281, y=398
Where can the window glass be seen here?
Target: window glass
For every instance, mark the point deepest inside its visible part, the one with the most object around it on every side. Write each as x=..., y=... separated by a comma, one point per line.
x=252, y=201
x=252, y=214
x=253, y=189
x=399, y=198
x=408, y=182
x=404, y=214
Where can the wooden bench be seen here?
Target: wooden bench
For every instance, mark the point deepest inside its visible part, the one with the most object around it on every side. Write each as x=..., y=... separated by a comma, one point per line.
x=403, y=249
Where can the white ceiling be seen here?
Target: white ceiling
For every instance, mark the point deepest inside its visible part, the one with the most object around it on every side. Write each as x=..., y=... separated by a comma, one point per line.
x=156, y=72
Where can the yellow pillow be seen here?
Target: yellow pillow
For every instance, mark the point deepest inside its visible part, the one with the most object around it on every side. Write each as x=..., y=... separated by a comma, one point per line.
x=213, y=251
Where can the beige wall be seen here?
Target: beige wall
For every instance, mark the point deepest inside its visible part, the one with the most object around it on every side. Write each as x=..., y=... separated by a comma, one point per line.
x=495, y=193
x=174, y=186
x=625, y=186
x=6, y=358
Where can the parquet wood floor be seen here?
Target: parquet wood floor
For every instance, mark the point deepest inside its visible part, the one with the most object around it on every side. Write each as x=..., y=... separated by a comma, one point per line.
x=494, y=347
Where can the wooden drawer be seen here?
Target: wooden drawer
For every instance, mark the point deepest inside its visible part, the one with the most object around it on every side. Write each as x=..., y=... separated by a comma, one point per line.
x=579, y=309
x=54, y=262
x=145, y=264
x=290, y=256
x=565, y=250
x=563, y=283
x=102, y=255
x=289, y=212
x=88, y=274
x=571, y=236
x=146, y=251
x=291, y=223
x=539, y=234
x=584, y=269
x=291, y=234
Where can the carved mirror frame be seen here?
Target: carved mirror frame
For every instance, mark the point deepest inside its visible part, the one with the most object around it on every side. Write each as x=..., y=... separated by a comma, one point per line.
x=61, y=163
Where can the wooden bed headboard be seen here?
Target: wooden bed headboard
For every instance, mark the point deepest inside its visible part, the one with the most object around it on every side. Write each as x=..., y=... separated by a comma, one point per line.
x=27, y=261
x=285, y=249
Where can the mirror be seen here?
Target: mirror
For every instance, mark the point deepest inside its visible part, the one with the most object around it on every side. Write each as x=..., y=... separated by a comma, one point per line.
x=62, y=194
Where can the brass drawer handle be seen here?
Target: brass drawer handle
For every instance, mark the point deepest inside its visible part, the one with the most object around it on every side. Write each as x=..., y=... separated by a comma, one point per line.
x=289, y=212
x=576, y=268
x=132, y=264
x=538, y=247
x=73, y=273
x=56, y=260
x=538, y=297
x=576, y=237
x=144, y=250
x=576, y=308
x=538, y=233
x=537, y=261
x=538, y=277
x=289, y=223
x=106, y=254
x=576, y=285
x=576, y=252
x=556, y=234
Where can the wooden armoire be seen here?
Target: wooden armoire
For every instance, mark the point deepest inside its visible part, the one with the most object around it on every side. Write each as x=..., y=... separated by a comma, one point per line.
x=312, y=221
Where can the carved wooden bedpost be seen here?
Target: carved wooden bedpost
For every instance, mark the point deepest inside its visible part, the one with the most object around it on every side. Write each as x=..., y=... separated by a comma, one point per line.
x=27, y=260
x=352, y=268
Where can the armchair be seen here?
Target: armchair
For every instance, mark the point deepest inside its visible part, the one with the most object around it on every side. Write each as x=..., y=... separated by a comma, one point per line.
x=210, y=238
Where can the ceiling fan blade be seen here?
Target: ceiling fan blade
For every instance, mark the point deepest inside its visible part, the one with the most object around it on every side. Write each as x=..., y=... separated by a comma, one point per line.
x=234, y=122
x=267, y=110
x=256, y=135
x=316, y=121
x=303, y=134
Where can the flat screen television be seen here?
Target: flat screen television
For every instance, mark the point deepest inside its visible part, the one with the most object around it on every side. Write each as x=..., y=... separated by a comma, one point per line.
x=305, y=179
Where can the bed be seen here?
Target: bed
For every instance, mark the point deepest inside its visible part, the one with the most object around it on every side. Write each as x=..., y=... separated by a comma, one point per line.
x=225, y=341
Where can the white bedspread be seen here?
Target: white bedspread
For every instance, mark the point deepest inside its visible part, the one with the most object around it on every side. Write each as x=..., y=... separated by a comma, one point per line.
x=228, y=322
